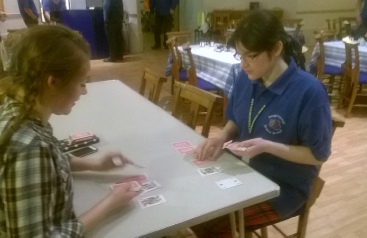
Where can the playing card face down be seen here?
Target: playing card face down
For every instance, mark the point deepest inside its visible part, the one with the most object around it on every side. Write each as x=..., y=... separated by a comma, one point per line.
x=151, y=201
x=228, y=183
x=186, y=150
x=181, y=144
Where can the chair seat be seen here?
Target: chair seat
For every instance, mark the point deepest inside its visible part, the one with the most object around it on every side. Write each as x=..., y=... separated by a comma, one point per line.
x=333, y=70
x=205, y=85
x=183, y=76
x=256, y=227
x=363, y=77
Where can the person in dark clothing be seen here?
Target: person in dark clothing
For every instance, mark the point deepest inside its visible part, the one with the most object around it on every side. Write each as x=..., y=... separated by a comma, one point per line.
x=361, y=19
x=113, y=16
x=52, y=9
x=164, y=10
x=29, y=13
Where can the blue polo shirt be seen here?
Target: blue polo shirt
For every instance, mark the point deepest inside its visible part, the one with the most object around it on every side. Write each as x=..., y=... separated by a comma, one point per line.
x=163, y=7
x=27, y=4
x=296, y=112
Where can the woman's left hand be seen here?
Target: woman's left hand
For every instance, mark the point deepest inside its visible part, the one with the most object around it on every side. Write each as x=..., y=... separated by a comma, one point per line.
x=253, y=147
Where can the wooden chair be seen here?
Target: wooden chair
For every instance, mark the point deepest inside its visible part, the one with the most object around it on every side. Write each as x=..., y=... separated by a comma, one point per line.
x=326, y=73
x=292, y=22
x=345, y=26
x=153, y=82
x=303, y=213
x=332, y=24
x=178, y=72
x=194, y=79
x=297, y=30
x=182, y=37
x=220, y=22
x=198, y=99
x=353, y=79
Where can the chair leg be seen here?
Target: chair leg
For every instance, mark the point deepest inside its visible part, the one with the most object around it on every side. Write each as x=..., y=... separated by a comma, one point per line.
x=172, y=85
x=264, y=232
x=331, y=84
x=352, y=99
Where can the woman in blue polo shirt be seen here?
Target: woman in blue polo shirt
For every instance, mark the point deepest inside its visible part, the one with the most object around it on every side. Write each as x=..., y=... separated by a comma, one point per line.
x=280, y=113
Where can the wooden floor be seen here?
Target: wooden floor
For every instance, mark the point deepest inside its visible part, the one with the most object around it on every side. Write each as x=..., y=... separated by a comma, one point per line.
x=341, y=210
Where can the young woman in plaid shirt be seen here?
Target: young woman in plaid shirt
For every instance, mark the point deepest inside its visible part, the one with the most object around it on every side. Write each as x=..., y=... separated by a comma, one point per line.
x=49, y=71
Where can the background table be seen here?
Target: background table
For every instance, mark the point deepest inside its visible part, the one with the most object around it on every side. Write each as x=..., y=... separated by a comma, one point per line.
x=126, y=121
x=335, y=55
x=218, y=68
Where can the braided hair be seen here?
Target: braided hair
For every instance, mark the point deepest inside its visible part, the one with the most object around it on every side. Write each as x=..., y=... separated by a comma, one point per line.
x=42, y=51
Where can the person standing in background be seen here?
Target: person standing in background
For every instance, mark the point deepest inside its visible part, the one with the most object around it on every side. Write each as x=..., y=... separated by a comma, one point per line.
x=361, y=17
x=164, y=10
x=113, y=13
x=29, y=13
x=53, y=6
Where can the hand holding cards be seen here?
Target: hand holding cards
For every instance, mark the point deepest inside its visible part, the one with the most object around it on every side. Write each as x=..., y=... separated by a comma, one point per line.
x=235, y=147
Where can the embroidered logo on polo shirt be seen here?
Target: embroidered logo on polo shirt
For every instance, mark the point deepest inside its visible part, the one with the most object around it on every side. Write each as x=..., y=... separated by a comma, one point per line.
x=275, y=124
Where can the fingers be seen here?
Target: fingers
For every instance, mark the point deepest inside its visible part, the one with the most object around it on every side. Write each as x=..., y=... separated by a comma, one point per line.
x=209, y=149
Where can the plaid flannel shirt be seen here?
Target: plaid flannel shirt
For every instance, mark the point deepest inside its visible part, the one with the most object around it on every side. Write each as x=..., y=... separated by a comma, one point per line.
x=35, y=182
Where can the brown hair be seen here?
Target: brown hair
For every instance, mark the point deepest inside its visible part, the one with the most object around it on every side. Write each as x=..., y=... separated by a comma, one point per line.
x=42, y=51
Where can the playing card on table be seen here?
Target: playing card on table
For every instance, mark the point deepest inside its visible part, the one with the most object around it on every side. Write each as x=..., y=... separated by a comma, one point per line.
x=149, y=185
x=181, y=144
x=151, y=201
x=209, y=170
x=202, y=162
x=228, y=183
x=186, y=150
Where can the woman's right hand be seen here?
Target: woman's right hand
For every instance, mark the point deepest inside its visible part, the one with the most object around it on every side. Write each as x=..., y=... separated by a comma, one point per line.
x=209, y=149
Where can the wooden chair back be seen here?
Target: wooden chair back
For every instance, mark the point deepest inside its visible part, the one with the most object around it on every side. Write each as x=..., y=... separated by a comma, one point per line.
x=297, y=30
x=153, y=82
x=191, y=71
x=176, y=57
x=199, y=100
x=320, y=38
x=332, y=24
x=182, y=37
x=176, y=67
x=352, y=87
x=345, y=26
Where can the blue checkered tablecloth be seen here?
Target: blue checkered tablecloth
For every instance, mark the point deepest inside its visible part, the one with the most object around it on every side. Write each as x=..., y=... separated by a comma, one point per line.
x=335, y=55
x=218, y=68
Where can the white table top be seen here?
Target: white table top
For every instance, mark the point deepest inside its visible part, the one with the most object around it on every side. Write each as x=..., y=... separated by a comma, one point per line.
x=218, y=68
x=126, y=121
x=210, y=53
x=335, y=55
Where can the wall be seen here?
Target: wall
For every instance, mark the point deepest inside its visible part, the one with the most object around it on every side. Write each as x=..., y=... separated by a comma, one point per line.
x=135, y=32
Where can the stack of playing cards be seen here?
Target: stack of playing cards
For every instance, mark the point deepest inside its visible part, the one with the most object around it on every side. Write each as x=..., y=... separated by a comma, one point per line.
x=235, y=147
x=145, y=184
x=68, y=145
x=184, y=147
x=142, y=183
